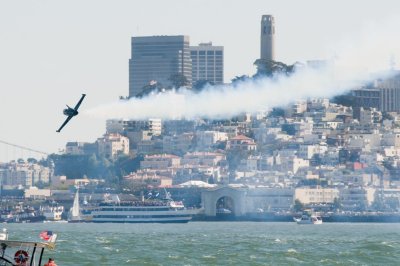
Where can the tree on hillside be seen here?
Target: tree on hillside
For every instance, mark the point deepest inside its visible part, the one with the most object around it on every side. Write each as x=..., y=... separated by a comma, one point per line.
x=78, y=166
x=32, y=160
x=124, y=165
x=240, y=79
x=270, y=67
x=201, y=84
x=346, y=99
x=152, y=87
x=179, y=80
x=298, y=206
x=337, y=204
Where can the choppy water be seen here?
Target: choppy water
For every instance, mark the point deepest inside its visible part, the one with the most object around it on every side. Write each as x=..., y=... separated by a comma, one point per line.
x=219, y=243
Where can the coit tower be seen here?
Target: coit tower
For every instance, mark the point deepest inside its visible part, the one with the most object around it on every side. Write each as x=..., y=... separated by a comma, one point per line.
x=267, y=49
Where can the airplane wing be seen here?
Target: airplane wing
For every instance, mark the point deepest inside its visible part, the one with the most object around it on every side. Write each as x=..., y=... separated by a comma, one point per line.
x=65, y=122
x=79, y=103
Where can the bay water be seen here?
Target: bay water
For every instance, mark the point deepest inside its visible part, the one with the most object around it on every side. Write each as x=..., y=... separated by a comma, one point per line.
x=218, y=243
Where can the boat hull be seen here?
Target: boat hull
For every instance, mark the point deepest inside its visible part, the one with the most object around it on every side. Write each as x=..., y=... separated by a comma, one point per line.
x=309, y=222
x=305, y=219
x=163, y=222
x=149, y=216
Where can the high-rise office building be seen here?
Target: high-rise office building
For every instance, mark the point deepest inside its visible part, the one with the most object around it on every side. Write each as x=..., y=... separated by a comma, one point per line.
x=207, y=63
x=267, y=47
x=157, y=58
x=390, y=94
x=384, y=95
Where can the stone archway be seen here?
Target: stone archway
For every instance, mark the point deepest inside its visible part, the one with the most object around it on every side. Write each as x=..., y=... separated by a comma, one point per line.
x=225, y=206
x=232, y=199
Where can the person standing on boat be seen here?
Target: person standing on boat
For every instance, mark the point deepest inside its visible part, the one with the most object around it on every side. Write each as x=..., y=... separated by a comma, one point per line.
x=51, y=262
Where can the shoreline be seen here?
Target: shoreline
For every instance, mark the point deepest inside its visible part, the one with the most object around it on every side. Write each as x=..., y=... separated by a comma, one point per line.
x=335, y=218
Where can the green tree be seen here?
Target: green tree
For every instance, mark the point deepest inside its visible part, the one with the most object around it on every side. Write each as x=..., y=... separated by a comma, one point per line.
x=124, y=165
x=298, y=206
x=337, y=204
x=32, y=160
x=379, y=204
x=77, y=166
x=240, y=79
x=179, y=80
x=346, y=99
x=277, y=112
x=154, y=87
x=234, y=157
x=270, y=67
x=201, y=84
x=387, y=116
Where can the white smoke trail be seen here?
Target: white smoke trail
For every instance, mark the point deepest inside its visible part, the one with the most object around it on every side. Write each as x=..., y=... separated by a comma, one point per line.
x=356, y=62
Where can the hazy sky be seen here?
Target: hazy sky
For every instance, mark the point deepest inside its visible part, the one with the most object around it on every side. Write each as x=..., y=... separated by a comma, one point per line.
x=52, y=51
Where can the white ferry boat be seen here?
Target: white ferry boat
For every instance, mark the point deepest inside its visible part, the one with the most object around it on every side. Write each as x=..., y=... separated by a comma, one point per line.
x=154, y=211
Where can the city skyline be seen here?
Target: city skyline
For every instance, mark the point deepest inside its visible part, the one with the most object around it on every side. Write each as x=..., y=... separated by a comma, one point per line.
x=53, y=52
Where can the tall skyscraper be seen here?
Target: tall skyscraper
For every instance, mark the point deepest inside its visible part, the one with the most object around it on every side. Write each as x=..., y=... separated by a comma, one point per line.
x=207, y=63
x=267, y=48
x=157, y=58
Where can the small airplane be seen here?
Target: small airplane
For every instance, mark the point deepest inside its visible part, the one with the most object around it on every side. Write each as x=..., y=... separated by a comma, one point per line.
x=71, y=112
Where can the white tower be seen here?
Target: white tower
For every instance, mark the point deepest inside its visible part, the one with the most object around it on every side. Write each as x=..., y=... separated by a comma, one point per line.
x=267, y=48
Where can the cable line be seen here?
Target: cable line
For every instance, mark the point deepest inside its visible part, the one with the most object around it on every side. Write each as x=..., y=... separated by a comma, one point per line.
x=23, y=147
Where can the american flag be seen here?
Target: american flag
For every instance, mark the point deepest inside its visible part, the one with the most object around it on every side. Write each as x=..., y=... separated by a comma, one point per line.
x=46, y=235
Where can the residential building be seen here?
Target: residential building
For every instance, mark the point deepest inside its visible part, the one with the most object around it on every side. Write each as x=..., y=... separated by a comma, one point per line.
x=79, y=148
x=36, y=193
x=23, y=174
x=205, y=139
x=391, y=138
x=152, y=125
x=356, y=199
x=112, y=145
x=178, y=144
x=241, y=142
x=307, y=195
x=291, y=164
x=269, y=199
x=152, y=146
x=160, y=161
x=176, y=127
x=203, y=158
x=149, y=178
